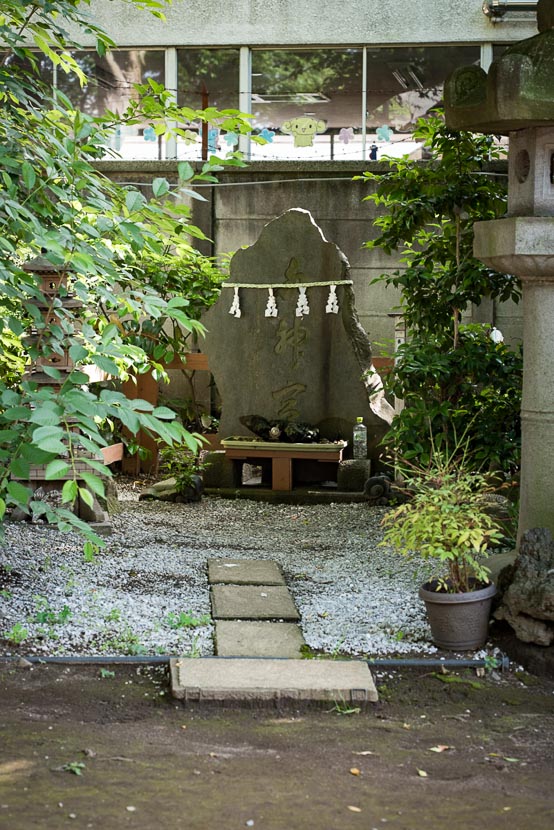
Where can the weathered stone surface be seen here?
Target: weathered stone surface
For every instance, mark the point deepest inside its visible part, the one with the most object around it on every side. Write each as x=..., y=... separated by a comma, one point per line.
x=271, y=681
x=516, y=94
x=236, y=638
x=353, y=474
x=314, y=368
x=528, y=603
x=252, y=602
x=244, y=572
x=167, y=490
x=220, y=471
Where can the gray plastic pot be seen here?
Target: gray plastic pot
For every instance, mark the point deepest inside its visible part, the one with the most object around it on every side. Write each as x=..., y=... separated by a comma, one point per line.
x=459, y=622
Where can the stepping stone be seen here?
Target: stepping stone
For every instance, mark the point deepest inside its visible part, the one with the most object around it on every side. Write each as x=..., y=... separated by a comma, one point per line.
x=244, y=572
x=236, y=638
x=211, y=679
x=252, y=602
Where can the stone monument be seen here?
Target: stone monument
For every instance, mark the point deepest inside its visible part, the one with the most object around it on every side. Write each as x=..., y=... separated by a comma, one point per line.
x=516, y=97
x=284, y=340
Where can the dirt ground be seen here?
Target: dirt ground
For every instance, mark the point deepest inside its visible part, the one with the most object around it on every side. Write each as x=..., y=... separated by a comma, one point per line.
x=437, y=750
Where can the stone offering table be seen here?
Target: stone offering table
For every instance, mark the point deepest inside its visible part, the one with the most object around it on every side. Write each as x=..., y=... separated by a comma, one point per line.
x=282, y=456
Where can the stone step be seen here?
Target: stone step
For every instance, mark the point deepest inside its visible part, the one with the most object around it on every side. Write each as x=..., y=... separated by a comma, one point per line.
x=272, y=682
x=244, y=572
x=252, y=602
x=236, y=638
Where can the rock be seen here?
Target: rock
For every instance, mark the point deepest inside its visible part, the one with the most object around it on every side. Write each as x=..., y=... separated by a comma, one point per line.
x=167, y=490
x=353, y=474
x=377, y=489
x=24, y=664
x=308, y=364
x=528, y=602
x=219, y=471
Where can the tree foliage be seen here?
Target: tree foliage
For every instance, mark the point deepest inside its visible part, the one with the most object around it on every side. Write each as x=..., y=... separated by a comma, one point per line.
x=452, y=377
x=53, y=200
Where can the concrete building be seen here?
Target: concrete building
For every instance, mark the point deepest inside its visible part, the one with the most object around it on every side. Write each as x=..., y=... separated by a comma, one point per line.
x=331, y=87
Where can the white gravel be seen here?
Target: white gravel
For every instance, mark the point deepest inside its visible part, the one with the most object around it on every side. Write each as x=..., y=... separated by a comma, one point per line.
x=354, y=596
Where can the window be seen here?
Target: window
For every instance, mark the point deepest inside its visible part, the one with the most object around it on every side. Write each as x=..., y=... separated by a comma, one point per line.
x=206, y=78
x=111, y=87
x=307, y=103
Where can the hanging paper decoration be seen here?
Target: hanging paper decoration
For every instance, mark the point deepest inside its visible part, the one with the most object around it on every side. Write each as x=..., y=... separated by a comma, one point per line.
x=231, y=139
x=149, y=134
x=346, y=135
x=384, y=133
x=213, y=136
x=332, y=306
x=496, y=335
x=190, y=137
x=373, y=152
x=302, y=306
x=235, y=308
x=271, y=309
x=304, y=129
x=266, y=134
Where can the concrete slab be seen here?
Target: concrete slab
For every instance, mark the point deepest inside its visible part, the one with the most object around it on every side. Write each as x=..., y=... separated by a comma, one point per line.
x=236, y=638
x=244, y=572
x=252, y=602
x=251, y=682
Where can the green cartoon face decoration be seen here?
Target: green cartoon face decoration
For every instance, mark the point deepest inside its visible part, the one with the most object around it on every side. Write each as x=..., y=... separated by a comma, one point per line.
x=303, y=128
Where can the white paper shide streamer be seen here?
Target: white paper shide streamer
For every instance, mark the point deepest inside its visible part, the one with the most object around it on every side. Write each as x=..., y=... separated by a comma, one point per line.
x=235, y=308
x=271, y=309
x=302, y=306
x=332, y=306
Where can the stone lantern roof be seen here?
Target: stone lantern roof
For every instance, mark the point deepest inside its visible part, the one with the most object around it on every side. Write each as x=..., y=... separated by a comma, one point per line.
x=518, y=91
x=41, y=265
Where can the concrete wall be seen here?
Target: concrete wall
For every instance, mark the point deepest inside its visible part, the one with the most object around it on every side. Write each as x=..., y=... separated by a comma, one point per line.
x=248, y=198
x=310, y=22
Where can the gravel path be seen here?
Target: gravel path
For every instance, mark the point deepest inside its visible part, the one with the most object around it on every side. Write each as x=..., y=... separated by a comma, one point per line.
x=354, y=596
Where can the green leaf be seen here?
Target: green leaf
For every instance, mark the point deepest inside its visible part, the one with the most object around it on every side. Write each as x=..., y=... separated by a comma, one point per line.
x=29, y=175
x=20, y=468
x=106, y=364
x=16, y=413
x=134, y=201
x=185, y=171
x=160, y=187
x=52, y=372
x=86, y=496
x=70, y=491
x=2, y=508
x=19, y=493
x=94, y=483
x=49, y=439
x=46, y=416
x=56, y=469
x=77, y=353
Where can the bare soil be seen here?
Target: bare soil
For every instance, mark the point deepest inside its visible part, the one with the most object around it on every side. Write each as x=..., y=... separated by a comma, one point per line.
x=452, y=751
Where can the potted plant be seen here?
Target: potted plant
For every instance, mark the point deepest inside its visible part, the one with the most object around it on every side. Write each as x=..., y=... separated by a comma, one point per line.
x=446, y=519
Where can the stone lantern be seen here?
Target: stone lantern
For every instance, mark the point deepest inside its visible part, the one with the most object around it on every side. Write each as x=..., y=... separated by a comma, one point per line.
x=516, y=98
x=53, y=286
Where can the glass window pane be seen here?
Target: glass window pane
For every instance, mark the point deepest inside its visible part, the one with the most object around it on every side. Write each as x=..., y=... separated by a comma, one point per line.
x=307, y=103
x=111, y=88
x=206, y=78
x=404, y=84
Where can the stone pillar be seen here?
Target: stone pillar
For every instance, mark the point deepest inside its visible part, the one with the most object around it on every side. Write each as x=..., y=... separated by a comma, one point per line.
x=537, y=406
x=516, y=98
